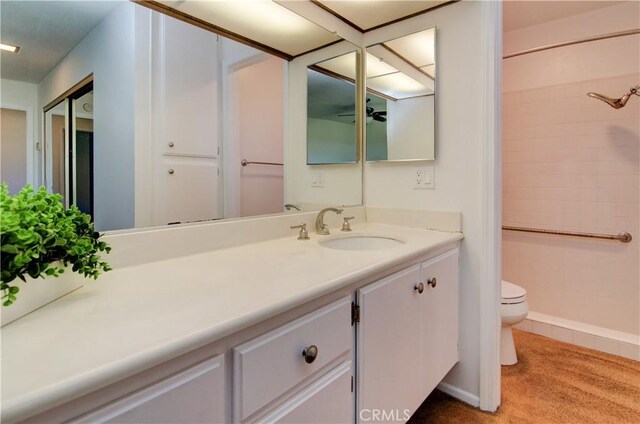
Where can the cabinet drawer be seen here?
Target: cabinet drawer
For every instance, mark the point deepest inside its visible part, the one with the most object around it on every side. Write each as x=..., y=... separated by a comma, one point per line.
x=267, y=367
x=195, y=395
x=328, y=400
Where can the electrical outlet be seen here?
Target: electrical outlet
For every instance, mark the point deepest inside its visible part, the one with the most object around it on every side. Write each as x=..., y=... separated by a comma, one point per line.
x=317, y=180
x=424, y=178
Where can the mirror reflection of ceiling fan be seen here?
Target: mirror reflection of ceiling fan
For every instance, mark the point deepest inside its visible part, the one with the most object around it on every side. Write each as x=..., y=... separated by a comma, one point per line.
x=380, y=116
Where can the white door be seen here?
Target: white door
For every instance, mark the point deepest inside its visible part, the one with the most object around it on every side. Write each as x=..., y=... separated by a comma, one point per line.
x=389, y=347
x=189, y=89
x=440, y=317
x=13, y=148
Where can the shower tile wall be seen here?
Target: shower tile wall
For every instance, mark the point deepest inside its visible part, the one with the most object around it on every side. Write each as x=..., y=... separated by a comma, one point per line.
x=571, y=162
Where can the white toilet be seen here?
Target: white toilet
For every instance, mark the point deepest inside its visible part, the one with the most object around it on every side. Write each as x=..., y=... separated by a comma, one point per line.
x=514, y=309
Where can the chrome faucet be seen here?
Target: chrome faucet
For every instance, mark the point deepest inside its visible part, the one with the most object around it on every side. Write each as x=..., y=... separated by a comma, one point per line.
x=321, y=227
x=290, y=206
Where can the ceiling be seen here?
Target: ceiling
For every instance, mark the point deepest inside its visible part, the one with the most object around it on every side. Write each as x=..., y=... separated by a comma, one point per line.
x=517, y=14
x=45, y=31
x=369, y=14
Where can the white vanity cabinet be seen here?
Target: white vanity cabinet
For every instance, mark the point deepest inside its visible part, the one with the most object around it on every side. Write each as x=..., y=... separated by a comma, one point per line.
x=407, y=337
x=371, y=351
x=300, y=372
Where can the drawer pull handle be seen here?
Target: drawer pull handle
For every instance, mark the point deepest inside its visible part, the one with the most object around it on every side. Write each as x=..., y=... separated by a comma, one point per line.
x=310, y=354
x=432, y=282
x=419, y=287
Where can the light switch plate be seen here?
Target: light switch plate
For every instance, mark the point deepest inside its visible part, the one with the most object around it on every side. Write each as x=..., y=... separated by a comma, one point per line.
x=424, y=178
x=317, y=180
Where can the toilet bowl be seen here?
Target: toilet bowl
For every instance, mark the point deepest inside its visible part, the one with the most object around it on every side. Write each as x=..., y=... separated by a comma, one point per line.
x=514, y=309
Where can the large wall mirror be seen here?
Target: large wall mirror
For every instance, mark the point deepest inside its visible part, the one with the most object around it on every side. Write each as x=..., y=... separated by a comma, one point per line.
x=142, y=119
x=401, y=89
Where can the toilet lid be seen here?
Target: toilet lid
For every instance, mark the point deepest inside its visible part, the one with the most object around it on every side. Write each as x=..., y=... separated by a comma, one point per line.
x=511, y=291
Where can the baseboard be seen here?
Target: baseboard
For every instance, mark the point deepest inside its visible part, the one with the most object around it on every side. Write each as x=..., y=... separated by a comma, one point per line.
x=584, y=335
x=459, y=394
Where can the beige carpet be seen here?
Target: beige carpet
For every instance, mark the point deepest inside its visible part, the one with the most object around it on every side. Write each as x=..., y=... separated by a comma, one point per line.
x=553, y=382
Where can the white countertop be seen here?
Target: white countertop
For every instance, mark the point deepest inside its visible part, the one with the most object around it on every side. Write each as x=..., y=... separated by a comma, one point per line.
x=135, y=317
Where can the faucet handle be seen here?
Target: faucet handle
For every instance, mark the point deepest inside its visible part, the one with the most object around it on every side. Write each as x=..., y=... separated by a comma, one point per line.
x=304, y=234
x=346, y=226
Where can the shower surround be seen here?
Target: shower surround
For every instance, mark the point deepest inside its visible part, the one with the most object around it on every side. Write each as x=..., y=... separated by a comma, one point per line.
x=571, y=163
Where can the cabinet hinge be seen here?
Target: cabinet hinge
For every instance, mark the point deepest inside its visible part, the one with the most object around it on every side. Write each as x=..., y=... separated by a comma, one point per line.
x=355, y=313
x=351, y=384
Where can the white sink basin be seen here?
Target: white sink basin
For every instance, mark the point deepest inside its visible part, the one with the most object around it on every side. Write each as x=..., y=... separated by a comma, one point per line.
x=360, y=242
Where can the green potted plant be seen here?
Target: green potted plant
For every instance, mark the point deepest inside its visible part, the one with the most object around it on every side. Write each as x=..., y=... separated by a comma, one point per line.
x=41, y=238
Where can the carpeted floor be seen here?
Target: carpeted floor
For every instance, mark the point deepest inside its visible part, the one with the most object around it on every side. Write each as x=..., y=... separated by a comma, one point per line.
x=554, y=383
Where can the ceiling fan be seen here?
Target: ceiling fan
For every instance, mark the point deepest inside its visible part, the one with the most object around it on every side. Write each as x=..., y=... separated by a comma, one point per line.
x=380, y=116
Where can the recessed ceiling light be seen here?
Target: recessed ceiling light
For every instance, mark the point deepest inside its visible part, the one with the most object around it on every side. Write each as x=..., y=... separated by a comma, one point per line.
x=9, y=48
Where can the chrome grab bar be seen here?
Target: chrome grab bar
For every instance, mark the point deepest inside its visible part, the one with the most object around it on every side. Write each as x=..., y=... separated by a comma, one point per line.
x=245, y=162
x=622, y=237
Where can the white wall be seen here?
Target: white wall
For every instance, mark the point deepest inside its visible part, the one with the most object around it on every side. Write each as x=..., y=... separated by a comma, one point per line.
x=343, y=182
x=410, y=129
x=459, y=166
x=107, y=52
x=566, y=65
x=24, y=96
x=331, y=140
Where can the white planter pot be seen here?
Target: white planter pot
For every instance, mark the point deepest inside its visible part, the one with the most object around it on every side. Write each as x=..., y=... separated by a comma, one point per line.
x=36, y=293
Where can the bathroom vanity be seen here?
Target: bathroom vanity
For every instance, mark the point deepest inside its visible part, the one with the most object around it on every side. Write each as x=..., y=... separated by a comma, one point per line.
x=279, y=330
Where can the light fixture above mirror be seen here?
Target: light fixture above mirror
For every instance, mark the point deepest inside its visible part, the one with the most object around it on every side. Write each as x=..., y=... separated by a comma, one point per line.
x=263, y=24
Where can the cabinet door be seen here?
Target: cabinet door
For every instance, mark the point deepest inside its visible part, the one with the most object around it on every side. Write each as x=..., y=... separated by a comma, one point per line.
x=389, y=360
x=440, y=317
x=191, y=190
x=196, y=395
x=328, y=400
x=189, y=89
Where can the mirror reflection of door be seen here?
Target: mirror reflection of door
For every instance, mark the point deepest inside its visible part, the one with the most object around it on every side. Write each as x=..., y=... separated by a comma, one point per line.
x=55, y=135
x=257, y=91
x=13, y=150
x=69, y=148
x=83, y=157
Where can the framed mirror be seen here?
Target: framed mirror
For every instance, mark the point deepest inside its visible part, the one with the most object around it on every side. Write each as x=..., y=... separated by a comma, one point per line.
x=331, y=111
x=182, y=123
x=401, y=90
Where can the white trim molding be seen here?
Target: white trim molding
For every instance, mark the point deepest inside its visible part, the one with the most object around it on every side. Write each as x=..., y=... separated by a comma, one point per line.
x=585, y=335
x=459, y=394
x=489, y=390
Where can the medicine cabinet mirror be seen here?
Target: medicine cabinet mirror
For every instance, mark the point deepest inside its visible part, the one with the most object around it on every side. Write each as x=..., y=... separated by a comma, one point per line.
x=401, y=90
x=331, y=111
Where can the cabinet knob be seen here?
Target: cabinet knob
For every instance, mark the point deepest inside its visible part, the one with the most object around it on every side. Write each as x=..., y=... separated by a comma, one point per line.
x=432, y=282
x=419, y=287
x=171, y=171
x=171, y=144
x=310, y=354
